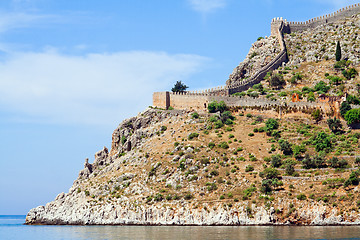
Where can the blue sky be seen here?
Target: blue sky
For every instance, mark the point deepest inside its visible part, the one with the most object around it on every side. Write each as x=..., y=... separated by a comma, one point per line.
x=71, y=71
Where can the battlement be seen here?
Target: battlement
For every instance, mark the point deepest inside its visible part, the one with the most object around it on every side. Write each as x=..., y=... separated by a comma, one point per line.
x=317, y=21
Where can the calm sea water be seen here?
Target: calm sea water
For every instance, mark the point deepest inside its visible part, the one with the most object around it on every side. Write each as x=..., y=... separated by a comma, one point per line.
x=11, y=227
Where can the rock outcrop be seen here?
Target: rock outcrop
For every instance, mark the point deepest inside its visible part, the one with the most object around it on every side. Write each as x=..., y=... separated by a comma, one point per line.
x=261, y=53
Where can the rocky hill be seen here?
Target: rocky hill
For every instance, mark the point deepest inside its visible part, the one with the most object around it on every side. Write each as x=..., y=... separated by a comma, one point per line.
x=245, y=166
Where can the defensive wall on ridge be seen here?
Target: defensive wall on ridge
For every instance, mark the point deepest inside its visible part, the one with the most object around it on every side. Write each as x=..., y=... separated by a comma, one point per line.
x=199, y=100
x=315, y=22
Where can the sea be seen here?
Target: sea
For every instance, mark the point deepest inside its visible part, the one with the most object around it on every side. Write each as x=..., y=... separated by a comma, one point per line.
x=12, y=227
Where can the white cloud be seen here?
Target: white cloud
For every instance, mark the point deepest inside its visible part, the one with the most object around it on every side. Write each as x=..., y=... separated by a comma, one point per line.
x=95, y=89
x=207, y=6
x=15, y=20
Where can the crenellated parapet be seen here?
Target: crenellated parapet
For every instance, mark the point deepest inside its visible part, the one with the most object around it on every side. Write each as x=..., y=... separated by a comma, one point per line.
x=317, y=21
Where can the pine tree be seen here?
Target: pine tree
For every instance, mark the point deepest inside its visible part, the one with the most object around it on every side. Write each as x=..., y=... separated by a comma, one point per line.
x=338, y=51
x=179, y=87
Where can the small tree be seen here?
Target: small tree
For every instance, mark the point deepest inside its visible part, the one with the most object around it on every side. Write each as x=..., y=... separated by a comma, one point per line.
x=352, y=116
x=344, y=108
x=276, y=80
x=179, y=87
x=334, y=125
x=276, y=161
x=349, y=74
x=215, y=106
x=338, y=52
x=285, y=147
x=316, y=115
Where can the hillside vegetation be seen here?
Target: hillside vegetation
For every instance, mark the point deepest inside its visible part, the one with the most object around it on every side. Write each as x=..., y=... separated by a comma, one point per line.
x=240, y=165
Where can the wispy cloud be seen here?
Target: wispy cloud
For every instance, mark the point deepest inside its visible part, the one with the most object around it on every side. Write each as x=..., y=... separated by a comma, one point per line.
x=13, y=20
x=207, y=6
x=95, y=89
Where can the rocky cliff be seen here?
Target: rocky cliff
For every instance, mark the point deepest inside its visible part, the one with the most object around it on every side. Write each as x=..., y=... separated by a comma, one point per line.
x=181, y=171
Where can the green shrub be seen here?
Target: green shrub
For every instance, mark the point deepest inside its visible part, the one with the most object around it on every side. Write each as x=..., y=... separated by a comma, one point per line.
x=211, y=145
x=188, y=196
x=211, y=186
x=317, y=161
x=342, y=64
x=195, y=115
x=271, y=124
x=344, y=108
x=289, y=169
x=335, y=80
x=222, y=197
x=321, y=87
x=213, y=118
x=349, y=74
x=334, y=162
x=352, y=116
x=353, y=179
x=248, y=192
x=298, y=150
x=251, y=134
x=276, y=80
x=301, y=196
x=249, y=168
x=123, y=139
x=322, y=142
x=217, y=106
x=219, y=124
x=352, y=99
x=334, y=125
x=307, y=90
x=285, y=147
x=276, y=161
x=158, y=197
x=214, y=173
x=193, y=135
x=224, y=145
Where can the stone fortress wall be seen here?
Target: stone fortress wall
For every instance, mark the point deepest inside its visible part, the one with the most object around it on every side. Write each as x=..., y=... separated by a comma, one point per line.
x=199, y=100
x=318, y=21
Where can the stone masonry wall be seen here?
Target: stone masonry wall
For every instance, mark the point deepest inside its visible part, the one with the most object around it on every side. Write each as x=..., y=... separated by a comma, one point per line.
x=315, y=22
x=199, y=102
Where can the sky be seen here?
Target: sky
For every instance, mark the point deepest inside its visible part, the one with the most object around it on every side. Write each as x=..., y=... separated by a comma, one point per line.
x=72, y=70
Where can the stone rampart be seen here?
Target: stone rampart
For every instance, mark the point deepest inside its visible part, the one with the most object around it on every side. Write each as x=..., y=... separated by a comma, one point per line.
x=318, y=21
x=200, y=102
